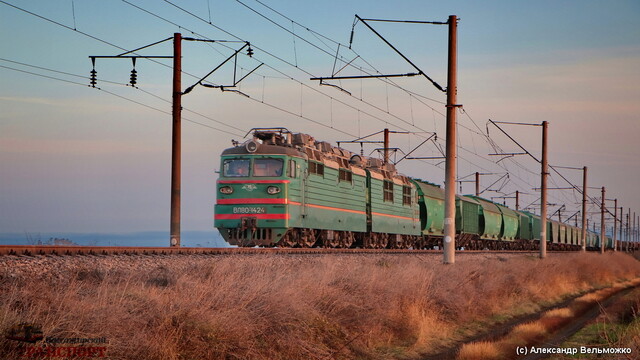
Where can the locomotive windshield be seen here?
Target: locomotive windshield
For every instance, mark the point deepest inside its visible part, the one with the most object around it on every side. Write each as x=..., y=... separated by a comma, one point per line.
x=236, y=167
x=267, y=167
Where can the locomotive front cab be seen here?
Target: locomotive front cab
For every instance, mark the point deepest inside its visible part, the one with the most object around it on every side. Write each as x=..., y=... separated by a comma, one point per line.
x=252, y=199
x=254, y=191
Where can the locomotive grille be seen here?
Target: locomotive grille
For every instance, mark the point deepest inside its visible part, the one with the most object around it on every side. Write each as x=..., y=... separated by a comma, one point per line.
x=250, y=234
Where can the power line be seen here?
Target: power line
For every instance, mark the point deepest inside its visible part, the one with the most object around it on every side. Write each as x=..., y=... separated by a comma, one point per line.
x=121, y=84
x=271, y=67
x=87, y=34
x=316, y=34
x=280, y=59
x=110, y=93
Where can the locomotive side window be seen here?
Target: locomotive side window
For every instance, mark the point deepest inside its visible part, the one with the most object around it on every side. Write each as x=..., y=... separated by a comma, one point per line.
x=388, y=191
x=291, y=169
x=267, y=167
x=235, y=167
x=316, y=168
x=406, y=195
x=345, y=175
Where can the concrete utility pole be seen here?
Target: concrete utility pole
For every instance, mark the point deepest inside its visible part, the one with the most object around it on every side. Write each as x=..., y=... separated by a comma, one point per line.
x=543, y=196
x=621, y=219
x=615, y=224
x=584, y=209
x=449, y=243
x=628, y=233
x=176, y=141
x=386, y=146
x=603, y=239
x=174, y=233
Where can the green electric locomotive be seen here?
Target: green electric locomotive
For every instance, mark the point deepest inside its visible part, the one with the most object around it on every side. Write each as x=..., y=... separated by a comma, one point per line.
x=287, y=189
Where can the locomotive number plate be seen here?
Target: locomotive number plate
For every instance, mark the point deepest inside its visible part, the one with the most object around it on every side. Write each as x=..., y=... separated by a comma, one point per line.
x=249, y=210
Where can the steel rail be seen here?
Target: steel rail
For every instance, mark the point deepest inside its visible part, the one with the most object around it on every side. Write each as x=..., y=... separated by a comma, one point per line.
x=33, y=250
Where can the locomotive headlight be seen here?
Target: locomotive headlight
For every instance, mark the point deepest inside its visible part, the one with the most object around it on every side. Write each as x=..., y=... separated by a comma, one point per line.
x=226, y=190
x=273, y=190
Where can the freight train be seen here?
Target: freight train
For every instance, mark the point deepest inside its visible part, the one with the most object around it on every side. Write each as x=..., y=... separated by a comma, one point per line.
x=288, y=190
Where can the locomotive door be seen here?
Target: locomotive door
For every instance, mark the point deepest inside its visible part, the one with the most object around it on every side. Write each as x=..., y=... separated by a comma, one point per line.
x=303, y=183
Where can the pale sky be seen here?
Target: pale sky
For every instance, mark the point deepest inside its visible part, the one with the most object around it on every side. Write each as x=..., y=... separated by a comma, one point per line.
x=77, y=159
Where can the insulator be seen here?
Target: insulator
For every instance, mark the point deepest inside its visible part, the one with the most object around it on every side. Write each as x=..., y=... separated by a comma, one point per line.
x=134, y=77
x=250, y=51
x=351, y=38
x=93, y=79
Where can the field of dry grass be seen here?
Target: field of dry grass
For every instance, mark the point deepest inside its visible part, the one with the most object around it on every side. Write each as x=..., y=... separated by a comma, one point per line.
x=540, y=331
x=284, y=307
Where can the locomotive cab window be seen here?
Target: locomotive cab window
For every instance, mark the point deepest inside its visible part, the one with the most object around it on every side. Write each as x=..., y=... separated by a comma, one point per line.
x=388, y=191
x=406, y=195
x=235, y=167
x=267, y=167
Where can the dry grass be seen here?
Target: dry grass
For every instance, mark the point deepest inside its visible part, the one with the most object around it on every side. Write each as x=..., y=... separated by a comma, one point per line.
x=537, y=331
x=479, y=350
x=275, y=307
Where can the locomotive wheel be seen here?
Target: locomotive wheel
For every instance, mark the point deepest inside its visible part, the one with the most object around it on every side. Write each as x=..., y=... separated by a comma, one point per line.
x=383, y=241
x=346, y=239
x=306, y=238
x=286, y=240
x=335, y=242
x=370, y=240
x=395, y=242
x=330, y=243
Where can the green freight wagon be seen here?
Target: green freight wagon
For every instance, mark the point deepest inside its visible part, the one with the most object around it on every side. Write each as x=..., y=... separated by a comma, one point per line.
x=525, y=226
x=468, y=219
x=510, y=223
x=431, y=203
x=553, y=229
x=536, y=226
x=562, y=233
x=490, y=219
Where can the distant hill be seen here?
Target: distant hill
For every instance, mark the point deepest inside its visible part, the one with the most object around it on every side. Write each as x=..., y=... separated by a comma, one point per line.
x=146, y=238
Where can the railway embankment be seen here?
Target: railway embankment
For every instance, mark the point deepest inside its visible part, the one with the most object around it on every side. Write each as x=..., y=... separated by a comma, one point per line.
x=366, y=306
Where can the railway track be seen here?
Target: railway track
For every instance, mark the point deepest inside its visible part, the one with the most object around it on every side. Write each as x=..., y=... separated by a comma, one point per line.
x=33, y=250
